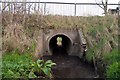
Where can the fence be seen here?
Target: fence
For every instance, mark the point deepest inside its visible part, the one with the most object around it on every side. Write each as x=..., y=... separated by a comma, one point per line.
x=57, y=8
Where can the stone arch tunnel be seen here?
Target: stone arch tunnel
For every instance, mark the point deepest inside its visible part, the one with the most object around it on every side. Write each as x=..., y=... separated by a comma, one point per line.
x=73, y=42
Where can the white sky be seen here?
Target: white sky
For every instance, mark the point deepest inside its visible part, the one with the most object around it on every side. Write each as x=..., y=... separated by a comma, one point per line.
x=74, y=1
x=82, y=10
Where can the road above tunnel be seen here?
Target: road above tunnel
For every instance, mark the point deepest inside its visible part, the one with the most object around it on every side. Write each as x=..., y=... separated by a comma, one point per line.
x=71, y=67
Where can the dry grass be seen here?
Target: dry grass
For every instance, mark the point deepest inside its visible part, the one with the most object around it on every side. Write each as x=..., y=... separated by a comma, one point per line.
x=15, y=38
x=100, y=32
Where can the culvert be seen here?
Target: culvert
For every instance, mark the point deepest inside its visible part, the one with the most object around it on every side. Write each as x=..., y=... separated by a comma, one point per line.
x=74, y=43
x=54, y=49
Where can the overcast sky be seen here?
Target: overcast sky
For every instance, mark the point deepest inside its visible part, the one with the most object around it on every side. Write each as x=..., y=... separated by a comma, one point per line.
x=78, y=1
x=70, y=1
x=82, y=10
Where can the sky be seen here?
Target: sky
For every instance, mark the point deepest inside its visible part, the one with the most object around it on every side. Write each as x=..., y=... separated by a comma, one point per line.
x=81, y=10
x=78, y=1
x=69, y=1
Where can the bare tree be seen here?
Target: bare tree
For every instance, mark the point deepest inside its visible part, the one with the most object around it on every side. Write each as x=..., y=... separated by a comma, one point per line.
x=103, y=4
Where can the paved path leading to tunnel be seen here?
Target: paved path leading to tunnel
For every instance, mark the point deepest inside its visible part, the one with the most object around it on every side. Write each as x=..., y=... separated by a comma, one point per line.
x=71, y=67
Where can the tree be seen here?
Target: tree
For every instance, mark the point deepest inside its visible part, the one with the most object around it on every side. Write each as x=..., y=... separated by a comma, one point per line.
x=103, y=4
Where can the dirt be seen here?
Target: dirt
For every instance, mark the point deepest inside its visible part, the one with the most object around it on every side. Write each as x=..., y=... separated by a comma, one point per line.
x=71, y=67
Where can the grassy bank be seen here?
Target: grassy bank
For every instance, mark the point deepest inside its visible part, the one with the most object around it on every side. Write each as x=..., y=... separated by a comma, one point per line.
x=100, y=32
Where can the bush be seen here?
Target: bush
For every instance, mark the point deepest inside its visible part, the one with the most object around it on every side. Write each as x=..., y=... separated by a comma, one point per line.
x=15, y=65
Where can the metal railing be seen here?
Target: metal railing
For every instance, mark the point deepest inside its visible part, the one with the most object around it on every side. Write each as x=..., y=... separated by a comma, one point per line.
x=55, y=8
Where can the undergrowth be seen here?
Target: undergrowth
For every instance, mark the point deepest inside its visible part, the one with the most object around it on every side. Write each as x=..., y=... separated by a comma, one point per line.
x=98, y=31
x=16, y=65
x=113, y=64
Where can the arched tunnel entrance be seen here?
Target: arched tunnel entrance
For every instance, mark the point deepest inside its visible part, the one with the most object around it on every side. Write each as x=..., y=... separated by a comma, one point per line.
x=60, y=55
x=60, y=50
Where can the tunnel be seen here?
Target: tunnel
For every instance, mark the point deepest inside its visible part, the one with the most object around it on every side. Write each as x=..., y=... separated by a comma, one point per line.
x=60, y=50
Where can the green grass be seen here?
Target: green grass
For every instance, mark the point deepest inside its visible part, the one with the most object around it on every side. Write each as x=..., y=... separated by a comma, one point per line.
x=15, y=65
x=112, y=61
x=90, y=54
x=112, y=57
x=113, y=64
x=113, y=70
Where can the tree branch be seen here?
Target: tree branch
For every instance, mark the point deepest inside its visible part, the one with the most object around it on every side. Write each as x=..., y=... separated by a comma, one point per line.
x=100, y=5
x=5, y=7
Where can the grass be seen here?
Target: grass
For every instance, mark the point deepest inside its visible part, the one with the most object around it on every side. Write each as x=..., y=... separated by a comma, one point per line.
x=90, y=55
x=93, y=25
x=112, y=57
x=95, y=29
x=113, y=64
x=113, y=71
x=16, y=65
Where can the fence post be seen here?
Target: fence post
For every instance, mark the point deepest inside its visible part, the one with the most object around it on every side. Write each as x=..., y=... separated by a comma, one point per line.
x=75, y=10
x=44, y=8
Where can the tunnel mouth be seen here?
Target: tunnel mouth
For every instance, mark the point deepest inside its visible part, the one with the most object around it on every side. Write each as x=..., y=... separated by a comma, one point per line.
x=60, y=50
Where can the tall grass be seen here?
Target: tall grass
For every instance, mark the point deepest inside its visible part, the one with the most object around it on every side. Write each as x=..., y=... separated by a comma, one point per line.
x=91, y=26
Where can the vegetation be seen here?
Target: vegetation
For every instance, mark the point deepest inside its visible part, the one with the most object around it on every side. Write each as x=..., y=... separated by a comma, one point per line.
x=17, y=65
x=101, y=33
x=113, y=70
x=113, y=64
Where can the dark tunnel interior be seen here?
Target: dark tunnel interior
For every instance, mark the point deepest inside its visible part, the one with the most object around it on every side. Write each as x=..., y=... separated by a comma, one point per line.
x=57, y=50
